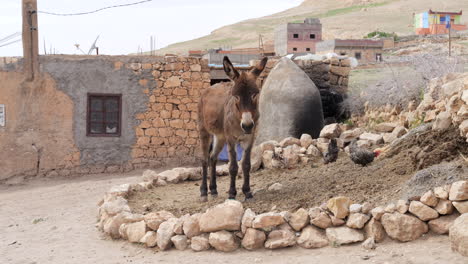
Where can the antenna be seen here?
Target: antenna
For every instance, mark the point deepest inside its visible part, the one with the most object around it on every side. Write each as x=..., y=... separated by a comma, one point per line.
x=93, y=47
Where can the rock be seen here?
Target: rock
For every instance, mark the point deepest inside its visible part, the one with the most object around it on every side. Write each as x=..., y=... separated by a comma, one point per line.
x=225, y=216
x=179, y=226
x=180, y=242
x=253, y=239
x=115, y=205
x=366, y=207
x=149, y=239
x=458, y=235
x=422, y=211
x=375, y=230
x=374, y=139
x=402, y=206
x=256, y=159
x=355, y=208
x=385, y=127
x=442, y=224
x=312, y=237
x=224, y=241
x=399, y=131
x=269, y=145
x=444, y=207
x=462, y=207
x=369, y=244
x=389, y=137
x=290, y=104
x=289, y=141
x=313, y=151
x=267, y=159
x=195, y=174
x=290, y=156
x=377, y=212
x=331, y=131
x=191, y=226
x=443, y=121
x=429, y=199
x=275, y=187
x=299, y=219
x=200, y=243
x=119, y=190
x=363, y=143
x=339, y=206
x=441, y=193
x=403, y=227
x=322, y=220
x=135, y=231
x=337, y=221
x=357, y=220
x=222, y=170
x=165, y=233
x=280, y=239
x=123, y=231
x=153, y=220
x=247, y=220
x=170, y=176
x=112, y=225
x=314, y=212
x=452, y=87
x=343, y=235
x=390, y=208
x=350, y=135
x=268, y=220
x=306, y=140
x=459, y=191
x=184, y=173
x=150, y=175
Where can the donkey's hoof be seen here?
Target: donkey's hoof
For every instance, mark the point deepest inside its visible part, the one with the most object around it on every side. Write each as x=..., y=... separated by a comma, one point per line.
x=204, y=199
x=249, y=197
x=214, y=195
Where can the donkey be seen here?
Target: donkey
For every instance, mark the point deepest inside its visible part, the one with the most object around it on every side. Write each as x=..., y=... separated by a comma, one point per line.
x=228, y=112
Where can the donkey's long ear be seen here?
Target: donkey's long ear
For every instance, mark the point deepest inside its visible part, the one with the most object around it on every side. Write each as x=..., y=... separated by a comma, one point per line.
x=260, y=67
x=232, y=73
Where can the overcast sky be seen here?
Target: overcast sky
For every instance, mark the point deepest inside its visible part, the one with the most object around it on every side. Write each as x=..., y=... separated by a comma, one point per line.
x=123, y=29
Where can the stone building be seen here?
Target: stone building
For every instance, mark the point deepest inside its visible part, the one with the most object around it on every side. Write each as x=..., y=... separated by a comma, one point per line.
x=298, y=37
x=364, y=50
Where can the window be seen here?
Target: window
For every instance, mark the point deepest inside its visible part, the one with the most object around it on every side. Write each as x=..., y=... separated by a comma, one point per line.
x=294, y=49
x=307, y=49
x=104, y=115
x=342, y=53
x=312, y=36
x=357, y=55
x=295, y=35
x=378, y=57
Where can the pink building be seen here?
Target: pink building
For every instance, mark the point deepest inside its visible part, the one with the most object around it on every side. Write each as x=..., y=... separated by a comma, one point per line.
x=298, y=37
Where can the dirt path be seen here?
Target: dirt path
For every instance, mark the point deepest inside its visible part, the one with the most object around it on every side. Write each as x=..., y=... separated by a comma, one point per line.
x=53, y=222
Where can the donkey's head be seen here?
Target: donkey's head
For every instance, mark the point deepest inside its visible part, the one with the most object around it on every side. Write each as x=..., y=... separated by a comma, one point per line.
x=245, y=93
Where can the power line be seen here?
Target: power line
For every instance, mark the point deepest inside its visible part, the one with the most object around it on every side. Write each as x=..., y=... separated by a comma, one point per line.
x=9, y=43
x=14, y=35
x=94, y=11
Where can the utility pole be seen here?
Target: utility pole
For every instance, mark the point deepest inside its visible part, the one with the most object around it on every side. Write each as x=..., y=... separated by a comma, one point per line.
x=30, y=39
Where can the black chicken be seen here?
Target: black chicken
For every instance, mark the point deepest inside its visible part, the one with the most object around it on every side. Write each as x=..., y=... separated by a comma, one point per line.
x=332, y=153
x=361, y=156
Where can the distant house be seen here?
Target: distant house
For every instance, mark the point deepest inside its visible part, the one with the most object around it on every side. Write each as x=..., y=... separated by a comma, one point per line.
x=298, y=37
x=364, y=50
x=434, y=22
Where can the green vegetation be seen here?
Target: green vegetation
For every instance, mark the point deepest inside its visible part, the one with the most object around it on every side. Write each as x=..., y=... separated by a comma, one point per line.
x=381, y=34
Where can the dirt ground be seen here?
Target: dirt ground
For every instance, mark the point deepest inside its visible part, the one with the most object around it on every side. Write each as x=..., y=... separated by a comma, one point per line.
x=52, y=221
x=380, y=182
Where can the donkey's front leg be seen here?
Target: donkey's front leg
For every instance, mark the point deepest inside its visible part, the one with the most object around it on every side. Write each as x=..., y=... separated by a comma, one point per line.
x=233, y=168
x=246, y=170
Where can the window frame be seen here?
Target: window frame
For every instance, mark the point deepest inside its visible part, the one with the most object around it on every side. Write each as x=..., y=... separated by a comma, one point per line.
x=356, y=55
x=295, y=34
x=312, y=36
x=88, y=115
x=307, y=49
x=294, y=49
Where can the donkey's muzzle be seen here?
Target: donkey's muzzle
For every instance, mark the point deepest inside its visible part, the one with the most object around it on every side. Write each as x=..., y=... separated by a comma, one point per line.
x=248, y=128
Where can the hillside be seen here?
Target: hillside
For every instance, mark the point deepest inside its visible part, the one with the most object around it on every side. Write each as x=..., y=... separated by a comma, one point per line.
x=340, y=19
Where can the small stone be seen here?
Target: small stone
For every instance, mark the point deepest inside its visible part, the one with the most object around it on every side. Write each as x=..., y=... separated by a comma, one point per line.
x=462, y=207
x=374, y=139
x=306, y=140
x=366, y=207
x=253, y=239
x=225, y=216
x=299, y=219
x=115, y=205
x=390, y=208
x=429, y=199
x=459, y=191
x=312, y=237
x=422, y=211
x=337, y=221
x=369, y=244
x=377, y=212
x=149, y=239
x=339, y=206
x=200, y=243
x=135, y=231
x=322, y=220
x=441, y=193
x=442, y=224
x=165, y=233
x=357, y=220
x=275, y=187
x=280, y=239
x=442, y=122
x=178, y=227
x=247, y=220
x=343, y=235
x=224, y=241
x=289, y=141
x=267, y=220
x=444, y=207
x=180, y=242
x=375, y=230
x=191, y=226
x=458, y=235
x=153, y=220
x=385, y=127
x=331, y=131
x=403, y=227
x=355, y=208
x=314, y=212
x=402, y=206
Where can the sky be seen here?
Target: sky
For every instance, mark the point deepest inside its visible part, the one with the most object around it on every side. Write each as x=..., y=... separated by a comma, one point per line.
x=122, y=30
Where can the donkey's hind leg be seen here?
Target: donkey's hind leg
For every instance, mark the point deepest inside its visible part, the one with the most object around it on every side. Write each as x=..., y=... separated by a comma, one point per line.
x=218, y=143
x=205, y=139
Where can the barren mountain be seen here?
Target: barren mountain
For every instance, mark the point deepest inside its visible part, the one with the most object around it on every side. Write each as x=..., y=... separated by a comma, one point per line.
x=340, y=19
